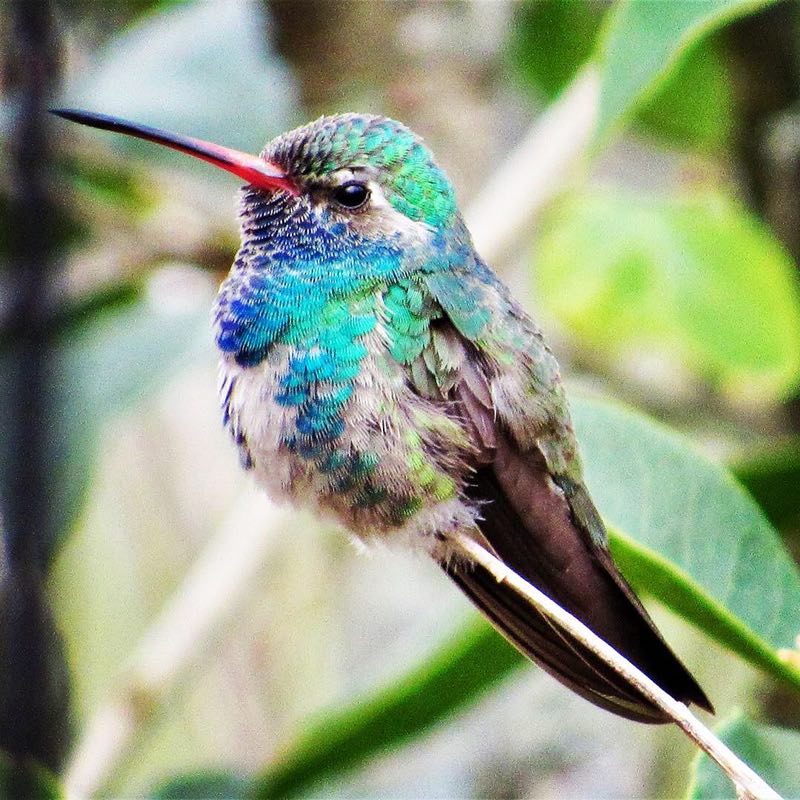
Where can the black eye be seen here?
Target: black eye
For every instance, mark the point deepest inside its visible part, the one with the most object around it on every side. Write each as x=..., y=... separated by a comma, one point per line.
x=351, y=195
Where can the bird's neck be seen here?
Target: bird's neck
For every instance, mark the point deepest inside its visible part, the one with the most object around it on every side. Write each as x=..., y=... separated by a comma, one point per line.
x=283, y=292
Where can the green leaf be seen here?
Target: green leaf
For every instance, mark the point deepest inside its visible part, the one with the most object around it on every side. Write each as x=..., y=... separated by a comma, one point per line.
x=206, y=785
x=772, y=752
x=550, y=39
x=772, y=476
x=106, y=181
x=695, y=279
x=687, y=533
x=111, y=361
x=693, y=106
x=27, y=780
x=473, y=660
x=643, y=44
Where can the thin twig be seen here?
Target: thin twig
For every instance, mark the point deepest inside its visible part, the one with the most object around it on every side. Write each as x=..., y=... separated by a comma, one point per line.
x=748, y=784
x=213, y=588
x=536, y=170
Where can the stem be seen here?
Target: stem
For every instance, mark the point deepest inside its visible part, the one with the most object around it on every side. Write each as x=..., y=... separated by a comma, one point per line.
x=212, y=590
x=535, y=170
x=34, y=687
x=748, y=784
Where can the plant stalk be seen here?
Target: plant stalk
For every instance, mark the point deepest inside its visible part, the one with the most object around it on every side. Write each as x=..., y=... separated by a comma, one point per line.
x=749, y=785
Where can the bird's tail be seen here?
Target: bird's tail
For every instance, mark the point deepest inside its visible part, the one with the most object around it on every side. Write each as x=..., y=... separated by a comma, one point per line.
x=548, y=534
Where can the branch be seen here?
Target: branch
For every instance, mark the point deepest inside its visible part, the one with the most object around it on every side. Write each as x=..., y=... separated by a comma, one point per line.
x=536, y=170
x=34, y=688
x=212, y=590
x=749, y=786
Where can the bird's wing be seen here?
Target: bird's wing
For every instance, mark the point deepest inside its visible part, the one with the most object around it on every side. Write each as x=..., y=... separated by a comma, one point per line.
x=538, y=518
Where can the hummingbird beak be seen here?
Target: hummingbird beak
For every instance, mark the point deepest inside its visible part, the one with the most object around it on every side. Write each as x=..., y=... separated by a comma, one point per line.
x=254, y=170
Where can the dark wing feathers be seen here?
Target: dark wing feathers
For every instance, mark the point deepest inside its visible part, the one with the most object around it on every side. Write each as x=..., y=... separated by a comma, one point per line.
x=475, y=401
x=548, y=647
x=547, y=529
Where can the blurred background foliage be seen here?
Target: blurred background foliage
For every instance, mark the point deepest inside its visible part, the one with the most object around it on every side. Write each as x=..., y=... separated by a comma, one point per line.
x=164, y=631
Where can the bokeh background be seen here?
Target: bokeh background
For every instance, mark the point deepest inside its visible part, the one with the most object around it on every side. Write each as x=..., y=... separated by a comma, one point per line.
x=199, y=627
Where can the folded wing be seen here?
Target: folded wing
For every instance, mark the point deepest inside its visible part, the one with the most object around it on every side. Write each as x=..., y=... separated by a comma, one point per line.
x=545, y=527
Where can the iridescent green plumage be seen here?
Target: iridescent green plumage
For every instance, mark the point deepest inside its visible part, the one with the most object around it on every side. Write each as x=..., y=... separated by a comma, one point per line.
x=412, y=181
x=417, y=398
x=375, y=369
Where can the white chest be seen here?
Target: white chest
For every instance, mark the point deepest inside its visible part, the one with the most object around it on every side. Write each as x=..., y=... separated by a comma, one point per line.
x=262, y=427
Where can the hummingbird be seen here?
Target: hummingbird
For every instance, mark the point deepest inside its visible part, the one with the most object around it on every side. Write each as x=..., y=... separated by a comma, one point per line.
x=375, y=369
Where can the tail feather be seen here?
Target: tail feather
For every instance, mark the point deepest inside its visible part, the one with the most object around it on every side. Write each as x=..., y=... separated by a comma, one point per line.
x=549, y=648
x=548, y=534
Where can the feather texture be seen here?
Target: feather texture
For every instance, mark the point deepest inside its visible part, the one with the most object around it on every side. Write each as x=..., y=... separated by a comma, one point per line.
x=375, y=369
x=546, y=528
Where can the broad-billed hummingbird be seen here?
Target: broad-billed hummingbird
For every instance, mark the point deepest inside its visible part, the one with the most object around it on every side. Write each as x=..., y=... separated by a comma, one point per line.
x=374, y=368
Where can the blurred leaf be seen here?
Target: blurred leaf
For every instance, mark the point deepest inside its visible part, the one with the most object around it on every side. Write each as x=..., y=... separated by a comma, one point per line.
x=73, y=316
x=694, y=104
x=551, y=39
x=106, y=180
x=28, y=781
x=456, y=676
x=773, y=478
x=202, y=68
x=695, y=279
x=206, y=785
x=109, y=362
x=119, y=10
x=644, y=42
x=771, y=752
x=688, y=534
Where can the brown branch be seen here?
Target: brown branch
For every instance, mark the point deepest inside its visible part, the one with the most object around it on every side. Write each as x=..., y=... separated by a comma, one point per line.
x=34, y=686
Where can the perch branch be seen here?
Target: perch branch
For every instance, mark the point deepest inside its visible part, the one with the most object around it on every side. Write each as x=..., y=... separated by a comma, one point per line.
x=749, y=786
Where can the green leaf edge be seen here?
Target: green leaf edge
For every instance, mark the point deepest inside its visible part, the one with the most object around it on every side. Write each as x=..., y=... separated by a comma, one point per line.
x=326, y=749
x=736, y=718
x=733, y=482
x=605, y=131
x=477, y=654
x=645, y=568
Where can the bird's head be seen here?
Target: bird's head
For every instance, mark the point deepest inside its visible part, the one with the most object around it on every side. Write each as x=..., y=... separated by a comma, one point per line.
x=348, y=176
x=369, y=172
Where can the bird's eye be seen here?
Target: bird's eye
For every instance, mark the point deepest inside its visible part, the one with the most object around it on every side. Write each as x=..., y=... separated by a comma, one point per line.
x=351, y=195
